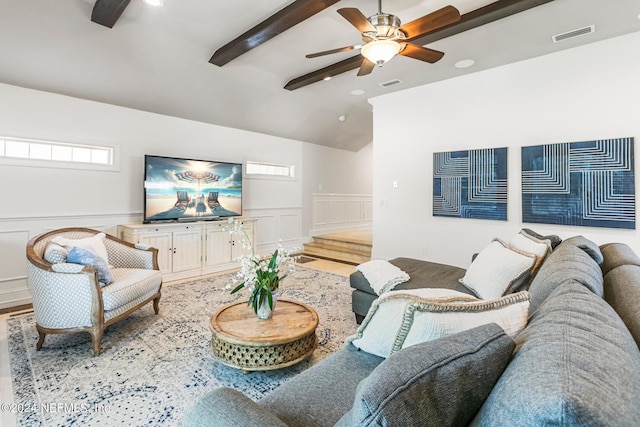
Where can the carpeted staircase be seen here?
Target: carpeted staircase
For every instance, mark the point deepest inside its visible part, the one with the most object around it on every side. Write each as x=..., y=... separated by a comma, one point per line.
x=353, y=247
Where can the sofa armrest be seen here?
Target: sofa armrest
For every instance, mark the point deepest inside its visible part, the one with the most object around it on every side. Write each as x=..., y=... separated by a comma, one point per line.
x=226, y=407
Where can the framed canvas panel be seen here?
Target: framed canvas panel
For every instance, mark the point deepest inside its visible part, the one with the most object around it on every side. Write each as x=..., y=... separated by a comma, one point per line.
x=587, y=183
x=470, y=184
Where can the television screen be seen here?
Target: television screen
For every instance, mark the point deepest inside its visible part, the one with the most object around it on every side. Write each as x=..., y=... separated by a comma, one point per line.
x=189, y=190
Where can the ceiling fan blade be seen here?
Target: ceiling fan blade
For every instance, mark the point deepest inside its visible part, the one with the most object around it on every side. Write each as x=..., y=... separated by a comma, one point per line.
x=366, y=67
x=329, y=52
x=438, y=19
x=357, y=19
x=280, y=22
x=107, y=12
x=476, y=18
x=422, y=53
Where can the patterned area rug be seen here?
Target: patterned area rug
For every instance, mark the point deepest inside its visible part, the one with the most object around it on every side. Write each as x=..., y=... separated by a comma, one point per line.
x=154, y=368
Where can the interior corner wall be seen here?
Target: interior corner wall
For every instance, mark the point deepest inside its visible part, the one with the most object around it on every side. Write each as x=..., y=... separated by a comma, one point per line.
x=334, y=171
x=586, y=93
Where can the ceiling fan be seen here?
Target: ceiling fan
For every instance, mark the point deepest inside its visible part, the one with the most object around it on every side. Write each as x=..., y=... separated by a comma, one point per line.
x=385, y=37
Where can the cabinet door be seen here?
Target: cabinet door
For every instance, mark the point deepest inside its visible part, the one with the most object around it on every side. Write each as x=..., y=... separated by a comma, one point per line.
x=162, y=242
x=187, y=250
x=237, y=248
x=218, y=247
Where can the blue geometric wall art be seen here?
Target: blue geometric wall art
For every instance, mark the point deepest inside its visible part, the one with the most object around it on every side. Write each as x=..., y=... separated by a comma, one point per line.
x=470, y=184
x=588, y=183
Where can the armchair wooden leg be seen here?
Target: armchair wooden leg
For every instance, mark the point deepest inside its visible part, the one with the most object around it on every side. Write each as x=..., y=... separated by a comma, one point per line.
x=156, y=305
x=96, y=339
x=41, y=336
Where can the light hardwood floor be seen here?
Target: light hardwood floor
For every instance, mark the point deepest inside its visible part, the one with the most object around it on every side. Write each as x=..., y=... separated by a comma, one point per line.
x=330, y=266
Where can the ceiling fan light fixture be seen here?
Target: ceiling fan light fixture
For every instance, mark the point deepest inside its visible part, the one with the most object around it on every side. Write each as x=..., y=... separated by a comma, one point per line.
x=380, y=51
x=385, y=24
x=156, y=3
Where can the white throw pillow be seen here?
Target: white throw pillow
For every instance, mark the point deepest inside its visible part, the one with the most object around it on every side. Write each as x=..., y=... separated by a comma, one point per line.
x=399, y=319
x=426, y=321
x=526, y=243
x=380, y=327
x=498, y=270
x=95, y=243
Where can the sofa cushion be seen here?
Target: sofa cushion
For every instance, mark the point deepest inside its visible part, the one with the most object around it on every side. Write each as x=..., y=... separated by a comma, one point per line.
x=586, y=245
x=575, y=364
x=567, y=262
x=321, y=395
x=617, y=254
x=399, y=319
x=622, y=291
x=497, y=270
x=129, y=284
x=226, y=407
x=442, y=382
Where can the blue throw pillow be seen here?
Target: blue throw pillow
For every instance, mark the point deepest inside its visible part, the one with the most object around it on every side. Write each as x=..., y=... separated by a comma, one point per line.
x=90, y=259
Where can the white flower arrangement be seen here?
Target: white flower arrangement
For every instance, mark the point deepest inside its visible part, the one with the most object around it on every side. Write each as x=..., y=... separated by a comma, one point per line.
x=261, y=275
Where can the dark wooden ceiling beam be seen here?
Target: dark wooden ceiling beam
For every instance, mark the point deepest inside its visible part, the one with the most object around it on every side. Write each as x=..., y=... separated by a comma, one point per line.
x=476, y=18
x=278, y=23
x=107, y=12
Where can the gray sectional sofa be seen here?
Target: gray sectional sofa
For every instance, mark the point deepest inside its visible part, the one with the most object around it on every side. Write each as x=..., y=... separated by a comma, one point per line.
x=577, y=362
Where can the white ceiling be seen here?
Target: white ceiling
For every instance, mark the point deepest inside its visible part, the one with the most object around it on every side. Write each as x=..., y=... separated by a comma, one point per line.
x=156, y=59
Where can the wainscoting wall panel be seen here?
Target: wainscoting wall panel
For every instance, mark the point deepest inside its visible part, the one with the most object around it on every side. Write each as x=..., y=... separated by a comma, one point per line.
x=290, y=227
x=274, y=225
x=337, y=211
x=16, y=232
x=341, y=212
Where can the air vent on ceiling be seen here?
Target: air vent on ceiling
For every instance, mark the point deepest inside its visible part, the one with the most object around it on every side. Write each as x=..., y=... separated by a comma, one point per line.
x=574, y=33
x=390, y=83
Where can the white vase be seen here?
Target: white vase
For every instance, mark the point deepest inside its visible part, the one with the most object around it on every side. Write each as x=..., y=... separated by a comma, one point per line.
x=264, y=311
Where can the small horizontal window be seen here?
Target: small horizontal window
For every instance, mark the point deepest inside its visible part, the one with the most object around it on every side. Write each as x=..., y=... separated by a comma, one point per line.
x=269, y=169
x=56, y=154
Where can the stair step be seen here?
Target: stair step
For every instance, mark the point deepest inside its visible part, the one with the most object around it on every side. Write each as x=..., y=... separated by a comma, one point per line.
x=353, y=247
x=364, y=251
x=346, y=245
x=351, y=255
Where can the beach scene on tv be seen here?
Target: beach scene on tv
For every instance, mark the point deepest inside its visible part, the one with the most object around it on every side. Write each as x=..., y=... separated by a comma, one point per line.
x=191, y=189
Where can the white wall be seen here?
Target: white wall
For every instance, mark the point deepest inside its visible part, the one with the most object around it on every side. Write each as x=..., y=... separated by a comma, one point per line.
x=38, y=199
x=582, y=94
x=332, y=171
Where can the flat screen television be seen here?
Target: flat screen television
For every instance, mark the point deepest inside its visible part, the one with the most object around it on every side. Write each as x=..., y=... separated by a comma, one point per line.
x=177, y=189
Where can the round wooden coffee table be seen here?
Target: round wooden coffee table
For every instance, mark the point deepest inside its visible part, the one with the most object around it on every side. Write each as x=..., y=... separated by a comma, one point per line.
x=241, y=340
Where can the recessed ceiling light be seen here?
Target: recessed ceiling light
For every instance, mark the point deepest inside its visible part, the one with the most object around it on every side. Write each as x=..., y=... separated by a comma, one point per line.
x=357, y=92
x=156, y=3
x=465, y=63
x=327, y=78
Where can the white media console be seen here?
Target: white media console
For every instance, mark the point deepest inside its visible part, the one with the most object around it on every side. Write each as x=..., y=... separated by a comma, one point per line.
x=188, y=249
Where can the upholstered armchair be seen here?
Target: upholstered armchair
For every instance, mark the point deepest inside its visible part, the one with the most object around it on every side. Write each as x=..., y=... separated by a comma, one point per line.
x=75, y=289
